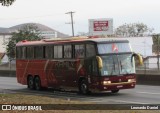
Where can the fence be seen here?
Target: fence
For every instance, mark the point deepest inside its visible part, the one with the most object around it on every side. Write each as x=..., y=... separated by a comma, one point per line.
x=148, y=66
x=7, y=66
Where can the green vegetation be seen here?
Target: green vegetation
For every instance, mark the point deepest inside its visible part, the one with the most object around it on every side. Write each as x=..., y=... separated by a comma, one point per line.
x=156, y=43
x=28, y=32
x=133, y=30
x=7, y=2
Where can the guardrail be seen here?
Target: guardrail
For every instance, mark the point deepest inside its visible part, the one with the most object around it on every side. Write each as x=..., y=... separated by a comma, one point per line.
x=8, y=73
x=147, y=77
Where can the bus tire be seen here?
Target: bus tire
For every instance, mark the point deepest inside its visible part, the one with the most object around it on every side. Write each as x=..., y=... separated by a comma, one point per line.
x=30, y=82
x=83, y=88
x=37, y=82
x=115, y=91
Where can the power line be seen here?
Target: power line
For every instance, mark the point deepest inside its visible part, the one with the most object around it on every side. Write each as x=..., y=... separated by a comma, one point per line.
x=71, y=13
x=38, y=16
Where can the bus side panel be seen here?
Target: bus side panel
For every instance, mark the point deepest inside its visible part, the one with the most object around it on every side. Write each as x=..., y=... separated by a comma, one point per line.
x=50, y=75
x=34, y=68
x=61, y=73
x=20, y=71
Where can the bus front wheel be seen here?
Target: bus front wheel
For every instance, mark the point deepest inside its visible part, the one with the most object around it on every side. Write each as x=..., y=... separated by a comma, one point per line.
x=30, y=82
x=37, y=82
x=84, y=87
x=115, y=91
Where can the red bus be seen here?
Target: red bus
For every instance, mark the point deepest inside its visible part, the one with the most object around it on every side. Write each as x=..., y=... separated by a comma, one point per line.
x=83, y=64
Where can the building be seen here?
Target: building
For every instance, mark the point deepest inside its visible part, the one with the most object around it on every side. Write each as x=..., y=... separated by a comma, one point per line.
x=3, y=58
x=141, y=45
x=4, y=37
x=45, y=32
x=151, y=62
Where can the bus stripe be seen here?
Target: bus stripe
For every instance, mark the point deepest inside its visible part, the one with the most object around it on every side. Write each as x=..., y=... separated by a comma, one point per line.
x=45, y=67
x=25, y=70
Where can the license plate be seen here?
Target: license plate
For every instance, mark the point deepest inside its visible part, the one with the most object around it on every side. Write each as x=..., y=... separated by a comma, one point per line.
x=119, y=86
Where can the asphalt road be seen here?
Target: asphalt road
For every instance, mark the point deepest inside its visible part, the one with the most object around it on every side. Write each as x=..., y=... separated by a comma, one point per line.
x=142, y=94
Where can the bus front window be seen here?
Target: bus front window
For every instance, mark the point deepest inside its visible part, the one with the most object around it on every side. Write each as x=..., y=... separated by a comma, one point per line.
x=110, y=65
x=117, y=65
x=127, y=66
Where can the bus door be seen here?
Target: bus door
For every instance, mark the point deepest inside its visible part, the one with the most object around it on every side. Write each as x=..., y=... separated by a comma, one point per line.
x=60, y=73
x=92, y=72
x=69, y=75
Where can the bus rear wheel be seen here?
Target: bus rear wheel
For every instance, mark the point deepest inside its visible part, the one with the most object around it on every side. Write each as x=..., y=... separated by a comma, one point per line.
x=30, y=82
x=37, y=82
x=115, y=91
x=83, y=89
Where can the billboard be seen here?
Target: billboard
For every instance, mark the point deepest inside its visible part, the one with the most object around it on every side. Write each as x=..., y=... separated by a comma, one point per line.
x=101, y=26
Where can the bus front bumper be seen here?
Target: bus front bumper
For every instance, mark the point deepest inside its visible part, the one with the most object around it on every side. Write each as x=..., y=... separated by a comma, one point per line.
x=106, y=88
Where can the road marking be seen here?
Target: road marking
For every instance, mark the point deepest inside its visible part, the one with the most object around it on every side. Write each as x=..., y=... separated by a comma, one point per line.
x=149, y=93
x=109, y=100
x=130, y=102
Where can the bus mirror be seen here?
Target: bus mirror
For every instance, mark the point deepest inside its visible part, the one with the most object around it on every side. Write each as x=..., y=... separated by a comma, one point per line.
x=138, y=58
x=99, y=60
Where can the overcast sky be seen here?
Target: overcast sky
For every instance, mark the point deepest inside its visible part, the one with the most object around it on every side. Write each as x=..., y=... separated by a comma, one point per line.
x=52, y=13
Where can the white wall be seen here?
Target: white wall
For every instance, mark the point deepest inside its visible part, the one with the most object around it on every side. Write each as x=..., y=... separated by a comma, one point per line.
x=5, y=59
x=151, y=62
x=142, y=45
x=3, y=42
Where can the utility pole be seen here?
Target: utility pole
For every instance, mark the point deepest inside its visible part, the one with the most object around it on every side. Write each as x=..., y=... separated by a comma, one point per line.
x=158, y=50
x=156, y=40
x=71, y=13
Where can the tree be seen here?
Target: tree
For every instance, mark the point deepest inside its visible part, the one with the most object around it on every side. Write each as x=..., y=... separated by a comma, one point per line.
x=28, y=32
x=6, y=2
x=156, y=43
x=83, y=34
x=133, y=30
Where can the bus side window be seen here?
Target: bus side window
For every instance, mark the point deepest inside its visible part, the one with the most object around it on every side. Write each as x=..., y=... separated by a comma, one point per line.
x=18, y=52
x=79, y=51
x=90, y=50
x=67, y=51
x=23, y=52
x=30, y=52
x=49, y=52
x=44, y=51
x=38, y=52
x=58, y=51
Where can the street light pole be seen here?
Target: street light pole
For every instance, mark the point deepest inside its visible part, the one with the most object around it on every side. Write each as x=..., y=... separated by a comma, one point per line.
x=71, y=13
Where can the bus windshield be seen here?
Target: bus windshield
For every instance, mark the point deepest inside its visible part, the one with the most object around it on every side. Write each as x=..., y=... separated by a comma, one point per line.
x=113, y=48
x=117, y=65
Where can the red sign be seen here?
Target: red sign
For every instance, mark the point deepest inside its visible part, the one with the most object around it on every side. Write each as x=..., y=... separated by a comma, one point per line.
x=100, y=25
x=114, y=48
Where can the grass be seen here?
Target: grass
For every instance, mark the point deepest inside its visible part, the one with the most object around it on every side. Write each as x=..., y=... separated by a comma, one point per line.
x=32, y=99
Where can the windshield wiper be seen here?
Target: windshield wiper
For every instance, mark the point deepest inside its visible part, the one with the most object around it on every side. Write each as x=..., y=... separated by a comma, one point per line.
x=121, y=66
x=113, y=68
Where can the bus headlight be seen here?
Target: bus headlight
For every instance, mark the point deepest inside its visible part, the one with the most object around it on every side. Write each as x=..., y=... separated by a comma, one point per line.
x=131, y=80
x=106, y=82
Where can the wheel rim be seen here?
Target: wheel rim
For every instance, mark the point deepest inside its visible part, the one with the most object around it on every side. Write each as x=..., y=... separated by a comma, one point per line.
x=30, y=83
x=84, y=88
x=37, y=83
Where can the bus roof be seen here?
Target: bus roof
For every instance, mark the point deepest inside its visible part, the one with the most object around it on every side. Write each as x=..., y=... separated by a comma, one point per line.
x=70, y=40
